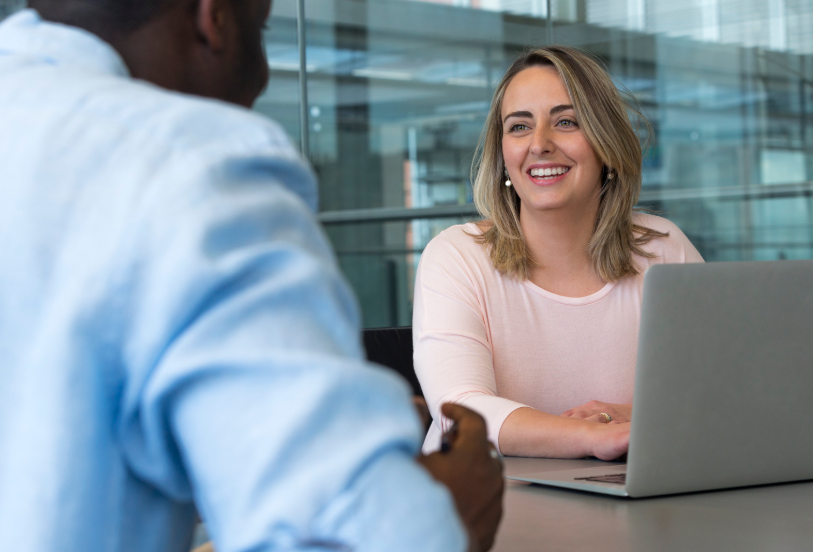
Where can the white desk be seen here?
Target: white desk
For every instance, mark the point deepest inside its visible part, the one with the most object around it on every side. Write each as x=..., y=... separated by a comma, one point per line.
x=769, y=518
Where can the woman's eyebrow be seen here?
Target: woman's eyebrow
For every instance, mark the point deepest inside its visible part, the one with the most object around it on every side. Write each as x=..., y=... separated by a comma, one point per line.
x=529, y=115
x=560, y=108
x=526, y=114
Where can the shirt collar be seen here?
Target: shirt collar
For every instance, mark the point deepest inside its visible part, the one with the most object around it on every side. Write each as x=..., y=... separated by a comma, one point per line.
x=26, y=33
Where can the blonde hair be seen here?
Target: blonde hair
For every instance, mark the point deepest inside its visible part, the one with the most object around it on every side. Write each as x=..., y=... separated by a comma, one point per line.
x=603, y=118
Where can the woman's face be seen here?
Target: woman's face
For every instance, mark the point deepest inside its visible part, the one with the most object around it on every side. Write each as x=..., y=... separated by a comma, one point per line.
x=549, y=160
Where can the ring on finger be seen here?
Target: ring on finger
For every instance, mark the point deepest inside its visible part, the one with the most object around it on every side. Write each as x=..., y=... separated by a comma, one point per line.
x=607, y=417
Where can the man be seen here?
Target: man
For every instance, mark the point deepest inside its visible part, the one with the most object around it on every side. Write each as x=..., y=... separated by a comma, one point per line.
x=173, y=326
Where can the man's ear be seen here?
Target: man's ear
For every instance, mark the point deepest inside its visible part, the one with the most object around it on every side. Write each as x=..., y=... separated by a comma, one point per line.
x=211, y=18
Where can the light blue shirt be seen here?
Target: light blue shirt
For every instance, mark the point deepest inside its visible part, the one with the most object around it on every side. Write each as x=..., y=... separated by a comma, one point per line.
x=174, y=327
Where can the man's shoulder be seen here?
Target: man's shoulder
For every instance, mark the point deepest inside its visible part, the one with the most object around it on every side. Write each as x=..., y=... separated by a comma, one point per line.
x=180, y=134
x=185, y=122
x=66, y=78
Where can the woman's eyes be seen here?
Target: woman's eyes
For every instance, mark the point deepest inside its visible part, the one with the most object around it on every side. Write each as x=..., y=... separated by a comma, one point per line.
x=564, y=123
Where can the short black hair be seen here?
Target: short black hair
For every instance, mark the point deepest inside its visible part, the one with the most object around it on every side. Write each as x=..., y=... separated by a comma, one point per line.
x=102, y=16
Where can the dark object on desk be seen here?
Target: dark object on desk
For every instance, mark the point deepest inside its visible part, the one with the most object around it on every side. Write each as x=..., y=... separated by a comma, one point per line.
x=392, y=347
x=448, y=438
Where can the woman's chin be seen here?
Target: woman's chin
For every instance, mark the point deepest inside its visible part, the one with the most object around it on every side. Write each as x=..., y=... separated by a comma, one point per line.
x=541, y=205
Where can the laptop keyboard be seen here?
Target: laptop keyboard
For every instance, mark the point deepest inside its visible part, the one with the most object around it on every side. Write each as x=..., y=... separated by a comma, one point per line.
x=617, y=479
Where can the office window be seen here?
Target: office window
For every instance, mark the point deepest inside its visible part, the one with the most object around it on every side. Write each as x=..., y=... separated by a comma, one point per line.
x=7, y=7
x=398, y=90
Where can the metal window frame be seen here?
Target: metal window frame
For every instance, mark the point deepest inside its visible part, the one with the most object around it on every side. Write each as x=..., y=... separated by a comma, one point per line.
x=730, y=193
x=304, y=123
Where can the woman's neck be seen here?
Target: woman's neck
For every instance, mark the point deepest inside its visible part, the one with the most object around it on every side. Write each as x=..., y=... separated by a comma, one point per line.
x=558, y=240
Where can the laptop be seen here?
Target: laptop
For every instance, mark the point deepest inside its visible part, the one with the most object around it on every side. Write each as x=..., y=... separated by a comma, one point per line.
x=724, y=383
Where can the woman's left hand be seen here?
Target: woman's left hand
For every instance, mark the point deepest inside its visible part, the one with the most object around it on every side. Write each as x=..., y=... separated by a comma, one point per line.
x=594, y=412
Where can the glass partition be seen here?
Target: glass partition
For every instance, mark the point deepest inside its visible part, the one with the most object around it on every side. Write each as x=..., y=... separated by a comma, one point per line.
x=7, y=7
x=281, y=99
x=399, y=91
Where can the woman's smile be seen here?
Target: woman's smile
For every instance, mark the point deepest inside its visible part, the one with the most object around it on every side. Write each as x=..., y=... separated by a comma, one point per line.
x=547, y=174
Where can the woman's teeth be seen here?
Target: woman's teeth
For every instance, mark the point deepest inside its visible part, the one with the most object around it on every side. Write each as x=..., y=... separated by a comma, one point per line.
x=549, y=173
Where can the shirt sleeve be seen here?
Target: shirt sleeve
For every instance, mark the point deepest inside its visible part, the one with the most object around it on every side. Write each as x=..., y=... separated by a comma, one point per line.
x=453, y=357
x=246, y=389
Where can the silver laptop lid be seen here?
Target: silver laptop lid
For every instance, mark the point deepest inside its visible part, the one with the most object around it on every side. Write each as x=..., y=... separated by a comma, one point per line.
x=724, y=383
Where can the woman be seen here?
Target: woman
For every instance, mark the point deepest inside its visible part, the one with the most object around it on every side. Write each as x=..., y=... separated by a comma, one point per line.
x=530, y=316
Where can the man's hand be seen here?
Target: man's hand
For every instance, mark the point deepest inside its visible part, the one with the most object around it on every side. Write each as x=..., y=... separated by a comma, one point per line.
x=472, y=474
x=591, y=411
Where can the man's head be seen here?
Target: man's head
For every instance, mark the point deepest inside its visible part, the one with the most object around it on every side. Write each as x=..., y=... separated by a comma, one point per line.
x=211, y=48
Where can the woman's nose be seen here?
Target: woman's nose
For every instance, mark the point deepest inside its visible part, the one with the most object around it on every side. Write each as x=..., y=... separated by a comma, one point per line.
x=541, y=141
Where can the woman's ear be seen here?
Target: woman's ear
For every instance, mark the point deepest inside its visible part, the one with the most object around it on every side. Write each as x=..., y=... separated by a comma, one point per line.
x=212, y=19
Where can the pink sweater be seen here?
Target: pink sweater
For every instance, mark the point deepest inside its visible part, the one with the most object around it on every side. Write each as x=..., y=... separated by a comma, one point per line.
x=496, y=344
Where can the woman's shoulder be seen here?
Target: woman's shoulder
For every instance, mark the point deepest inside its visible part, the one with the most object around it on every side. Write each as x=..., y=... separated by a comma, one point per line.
x=673, y=247
x=456, y=246
x=460, y=237
x=654, y=222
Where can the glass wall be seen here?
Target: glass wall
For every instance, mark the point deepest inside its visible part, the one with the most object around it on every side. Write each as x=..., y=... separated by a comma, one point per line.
x=398, y=91
x=8, y=7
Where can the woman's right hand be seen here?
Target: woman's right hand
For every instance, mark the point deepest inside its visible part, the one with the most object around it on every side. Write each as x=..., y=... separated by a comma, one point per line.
x=610, y=441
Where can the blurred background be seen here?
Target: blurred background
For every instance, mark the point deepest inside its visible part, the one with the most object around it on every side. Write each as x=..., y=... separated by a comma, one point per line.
x=397, y=91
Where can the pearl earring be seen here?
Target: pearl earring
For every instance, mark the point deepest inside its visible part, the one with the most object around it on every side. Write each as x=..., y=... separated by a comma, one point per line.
x=610, y=174
x=507, y=179
x=508, y=183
